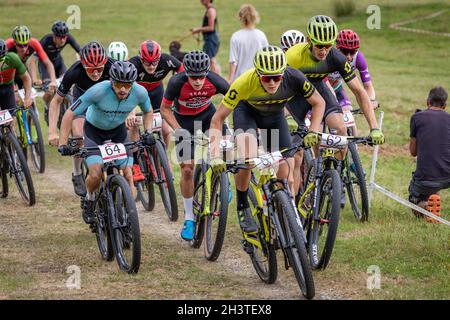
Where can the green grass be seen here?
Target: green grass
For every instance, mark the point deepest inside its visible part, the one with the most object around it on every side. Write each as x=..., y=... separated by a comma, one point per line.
x=413, y=255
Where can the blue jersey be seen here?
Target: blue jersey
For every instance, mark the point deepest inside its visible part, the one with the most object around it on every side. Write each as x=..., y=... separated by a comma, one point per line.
x=104, y=110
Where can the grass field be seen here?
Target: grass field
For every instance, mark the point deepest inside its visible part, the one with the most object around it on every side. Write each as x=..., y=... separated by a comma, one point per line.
x=413, y=256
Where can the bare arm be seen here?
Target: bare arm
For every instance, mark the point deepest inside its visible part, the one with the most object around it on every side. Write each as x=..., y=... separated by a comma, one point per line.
x=53, y=116
x=148, y=119
x=413, y=146
x=368, y=86
x=232, y=72
x=318, y=110
x=66, y=126
x=167, y=115
x=364, y=102
x=215, y=130
x=32, y=69
x=211, y=14
x=27, y=86
x=51, y=71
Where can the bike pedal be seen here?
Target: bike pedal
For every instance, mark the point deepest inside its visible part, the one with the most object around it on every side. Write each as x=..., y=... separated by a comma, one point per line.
x=247, y=246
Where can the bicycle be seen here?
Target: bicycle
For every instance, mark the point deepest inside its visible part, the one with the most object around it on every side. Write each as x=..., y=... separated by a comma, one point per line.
x=29, y=134
x=210, y=202
x=13, y=161
x=116, y=224
x=67, y=102
x=319, y=205
x=156, y=168
x=279, y=226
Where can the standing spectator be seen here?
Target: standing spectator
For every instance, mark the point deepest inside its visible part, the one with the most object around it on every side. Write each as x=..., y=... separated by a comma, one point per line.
x=430, y=142
x=210, y=34
x=246, y=42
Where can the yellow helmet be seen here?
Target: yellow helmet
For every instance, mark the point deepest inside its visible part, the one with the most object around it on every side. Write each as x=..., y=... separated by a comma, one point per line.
x=270, y=60
x=21, y=34
x=322, y=30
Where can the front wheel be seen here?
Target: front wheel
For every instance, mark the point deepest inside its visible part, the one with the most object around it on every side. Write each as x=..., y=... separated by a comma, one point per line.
x=355, y=182
x=145, y=189
x=37, y=141
x=198, y=205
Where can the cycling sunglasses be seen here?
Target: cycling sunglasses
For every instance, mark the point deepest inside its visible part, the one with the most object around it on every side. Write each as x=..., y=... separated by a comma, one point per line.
x=272, y=77
x=23, y=46
x=321, y=46
x=347, y=52
x=119, y=85
x=148, y=64
x=203, y=77
x=61, y=37
x=94, y=69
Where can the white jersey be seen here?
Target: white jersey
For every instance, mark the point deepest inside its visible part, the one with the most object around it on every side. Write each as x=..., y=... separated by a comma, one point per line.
x=335, y=77
x=243, y=46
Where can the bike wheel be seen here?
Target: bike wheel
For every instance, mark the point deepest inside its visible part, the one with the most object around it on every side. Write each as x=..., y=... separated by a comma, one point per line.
x=264, y=258
x=296, y=250
x=124, y=226
x=165, y=181
x=4, y=177
x=102, y=233
x=19, y=168
x=322, y=233
x=37, y=141
x=145, y=189
x=199, y=204
x=355, y=183
x=216, y=222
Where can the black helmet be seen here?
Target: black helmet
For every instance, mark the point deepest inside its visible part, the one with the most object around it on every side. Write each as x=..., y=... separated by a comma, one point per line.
x=196, y=63
x=123, y=71
x=3, y=48
x=60, y=29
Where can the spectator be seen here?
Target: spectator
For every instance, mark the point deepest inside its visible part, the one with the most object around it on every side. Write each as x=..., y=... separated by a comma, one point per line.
x=210, y=34
x=246, y=42
x=430, y=142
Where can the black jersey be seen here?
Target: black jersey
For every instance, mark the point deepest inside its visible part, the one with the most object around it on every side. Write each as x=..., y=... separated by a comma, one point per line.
x=52, y=51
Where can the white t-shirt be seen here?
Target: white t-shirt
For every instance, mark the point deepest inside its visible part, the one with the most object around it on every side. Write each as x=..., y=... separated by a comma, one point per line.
x=243, y=46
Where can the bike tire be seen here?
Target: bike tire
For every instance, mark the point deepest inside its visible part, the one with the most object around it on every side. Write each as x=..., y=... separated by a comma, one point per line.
x=357, y=180
x=321, y=245
x=166, y=181
x=102, y=233
x=264, y=261
x=199, y=204
x=214, y=240
x=145, y=189
x=296, y=252
x=18, y=167
x=37, y=148
x=4, y=178
x=125, y=234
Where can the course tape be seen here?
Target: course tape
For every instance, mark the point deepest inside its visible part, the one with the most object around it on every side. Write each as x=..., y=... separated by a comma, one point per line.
x=398, y=25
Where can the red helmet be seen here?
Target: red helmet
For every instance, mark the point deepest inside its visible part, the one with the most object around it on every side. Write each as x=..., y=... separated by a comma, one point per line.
x=347, y=39
x=93, y=55
x=150, y=51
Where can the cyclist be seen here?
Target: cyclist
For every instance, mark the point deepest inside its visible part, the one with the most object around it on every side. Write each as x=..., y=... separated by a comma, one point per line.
x=316, y=59
x=118, y=51
x=24, y=45
x=53, y=44
x=93, y=68
x=190, y=95
x=257, y=99
x=107, y=104
x=348, y=44
x=10, y=64
x=153, y=66
x=291, y=38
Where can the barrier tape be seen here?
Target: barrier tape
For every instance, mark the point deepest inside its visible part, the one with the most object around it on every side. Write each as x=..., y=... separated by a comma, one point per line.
x=397, y=26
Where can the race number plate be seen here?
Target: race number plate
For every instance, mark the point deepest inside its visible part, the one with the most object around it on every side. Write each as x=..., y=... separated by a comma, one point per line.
x=329, y=140
x=22, y=93
x=349, y=120
x=157, y=122
x=268, y=160
x=113, y=151
x=5, y=117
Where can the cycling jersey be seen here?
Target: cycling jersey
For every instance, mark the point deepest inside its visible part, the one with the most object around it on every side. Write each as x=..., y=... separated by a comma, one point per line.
x=359, y=63
x=8, y=68
x=249, y=89
x=186, y=100
x=52, y=51
x=166, y=64
x=104, y=110
x=300, y=57
x=76, y=75
x=33, y=46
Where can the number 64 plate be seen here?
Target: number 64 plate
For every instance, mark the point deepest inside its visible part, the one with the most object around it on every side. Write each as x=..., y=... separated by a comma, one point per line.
x=113, y=151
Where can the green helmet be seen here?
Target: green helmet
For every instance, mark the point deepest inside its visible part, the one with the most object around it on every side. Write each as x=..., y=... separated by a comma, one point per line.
x=270, y=60
x=322, y=30
x=21, y=34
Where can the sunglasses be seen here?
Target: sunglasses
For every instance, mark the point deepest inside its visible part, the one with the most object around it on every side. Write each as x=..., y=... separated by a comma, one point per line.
x=148, y=64
x=273, y=77
x=94, y=69
x=23, y=46
x=61, y=37
x=120, y=85
x=197, y=77
x=347, y=52
x=321, y=46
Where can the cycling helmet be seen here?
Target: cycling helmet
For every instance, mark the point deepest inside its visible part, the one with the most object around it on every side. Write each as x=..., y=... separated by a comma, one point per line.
x=196, y=63
x=118, y=51
x=93, y=55
x=150, y=51
x=270, y=60
x=21, y=35
x=60, y=29
x=123, y=71
x=347, y=39
x=322, y=30
x=291, y=38
x=3, y=49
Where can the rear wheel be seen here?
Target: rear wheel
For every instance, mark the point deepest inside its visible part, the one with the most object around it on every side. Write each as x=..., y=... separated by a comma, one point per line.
x=4, y=176
x=102, y=231
x=199, y=204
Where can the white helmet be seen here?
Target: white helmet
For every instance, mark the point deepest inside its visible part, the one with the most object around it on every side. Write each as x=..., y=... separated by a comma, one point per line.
x=291, y=38
x=118, y=51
